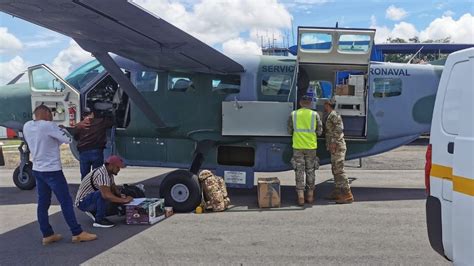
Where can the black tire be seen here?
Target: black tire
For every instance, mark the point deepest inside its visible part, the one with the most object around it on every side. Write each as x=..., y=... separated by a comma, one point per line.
x=27, y=181
x=181, y=190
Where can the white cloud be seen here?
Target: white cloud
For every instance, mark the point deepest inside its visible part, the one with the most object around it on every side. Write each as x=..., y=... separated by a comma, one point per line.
x=240, y=46
x=8, y=41
x=69, y=59
x=10, y=69
x=395, y=13
x=460, y=31
x=216, y=22
x=448, y=13
x=44, y=39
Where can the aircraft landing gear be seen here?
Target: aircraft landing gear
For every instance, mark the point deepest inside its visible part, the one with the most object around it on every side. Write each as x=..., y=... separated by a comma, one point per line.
x=181, y=190
x=23, y=174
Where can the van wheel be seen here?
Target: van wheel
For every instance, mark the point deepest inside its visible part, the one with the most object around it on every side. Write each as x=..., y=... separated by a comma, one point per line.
x=181, y=190
x=26, y=181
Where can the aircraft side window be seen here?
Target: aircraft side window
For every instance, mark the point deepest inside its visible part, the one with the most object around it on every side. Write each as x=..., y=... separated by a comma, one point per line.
x=450, y=114
x=387, y=87
x=226, y=84
x=179, y=83
x=42, y=80
x=147, y=81
x=316, y=41
x=354, y=43
x=276, y=84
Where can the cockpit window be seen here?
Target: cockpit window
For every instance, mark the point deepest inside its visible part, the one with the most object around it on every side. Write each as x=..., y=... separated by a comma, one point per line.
x=276, y=84
x=147, y=81
x=84, y=74
x=226, y=84
x=387, y=87
x=353, y=43
x=43, y=80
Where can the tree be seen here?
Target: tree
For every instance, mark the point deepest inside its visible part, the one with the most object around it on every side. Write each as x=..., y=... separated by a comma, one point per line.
x=404, y=58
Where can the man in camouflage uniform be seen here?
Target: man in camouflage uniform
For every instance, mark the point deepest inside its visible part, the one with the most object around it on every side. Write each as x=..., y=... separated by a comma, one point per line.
x=215, y=192
x=336, y=146
x=304, y=124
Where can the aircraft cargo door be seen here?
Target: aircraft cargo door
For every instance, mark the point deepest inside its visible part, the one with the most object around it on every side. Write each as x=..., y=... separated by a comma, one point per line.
x=333, y=63
x=51, y=90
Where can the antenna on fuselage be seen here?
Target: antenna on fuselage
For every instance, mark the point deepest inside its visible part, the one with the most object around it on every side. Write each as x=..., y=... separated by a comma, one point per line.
x=337, y=24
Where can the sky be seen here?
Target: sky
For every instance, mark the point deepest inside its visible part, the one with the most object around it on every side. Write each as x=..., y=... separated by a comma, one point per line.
x=242, y=26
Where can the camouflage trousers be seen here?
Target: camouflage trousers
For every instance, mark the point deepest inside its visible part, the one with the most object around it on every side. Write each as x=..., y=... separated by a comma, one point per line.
x=305, y=161
x=337, y=167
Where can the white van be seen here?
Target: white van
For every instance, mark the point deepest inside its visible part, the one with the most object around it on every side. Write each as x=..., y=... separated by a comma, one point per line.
x=449, y=170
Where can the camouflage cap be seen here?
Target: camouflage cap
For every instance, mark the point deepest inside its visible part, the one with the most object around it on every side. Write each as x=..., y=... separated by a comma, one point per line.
x=205, y=174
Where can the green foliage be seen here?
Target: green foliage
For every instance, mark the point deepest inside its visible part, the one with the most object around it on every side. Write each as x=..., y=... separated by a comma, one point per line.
x=420, y=57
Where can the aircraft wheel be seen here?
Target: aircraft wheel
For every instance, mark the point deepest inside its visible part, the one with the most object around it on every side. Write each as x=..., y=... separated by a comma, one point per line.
x=26, y=181
x=181, y=190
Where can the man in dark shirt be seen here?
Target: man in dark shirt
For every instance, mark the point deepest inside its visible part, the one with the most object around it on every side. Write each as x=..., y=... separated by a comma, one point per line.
x=91, y=141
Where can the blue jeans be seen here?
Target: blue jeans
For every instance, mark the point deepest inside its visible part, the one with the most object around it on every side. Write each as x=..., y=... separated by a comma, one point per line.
x=90, y=158
x=47, y=182
x=94, y=202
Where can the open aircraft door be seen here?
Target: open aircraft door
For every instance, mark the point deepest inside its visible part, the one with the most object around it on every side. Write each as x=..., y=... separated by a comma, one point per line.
x=50, y=89
x=335, y=46
x=334, y=63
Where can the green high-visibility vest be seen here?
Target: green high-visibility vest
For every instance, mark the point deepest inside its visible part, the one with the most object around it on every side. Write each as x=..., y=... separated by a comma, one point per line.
x=304, y=129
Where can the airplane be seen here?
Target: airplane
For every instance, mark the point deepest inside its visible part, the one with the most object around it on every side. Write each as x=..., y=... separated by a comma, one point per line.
x=179, y=103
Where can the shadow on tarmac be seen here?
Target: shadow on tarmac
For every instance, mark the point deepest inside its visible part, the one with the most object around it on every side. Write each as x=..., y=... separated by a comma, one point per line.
x=22, y=246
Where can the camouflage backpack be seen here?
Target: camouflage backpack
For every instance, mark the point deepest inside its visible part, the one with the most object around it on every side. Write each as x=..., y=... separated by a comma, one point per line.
x=214, y=190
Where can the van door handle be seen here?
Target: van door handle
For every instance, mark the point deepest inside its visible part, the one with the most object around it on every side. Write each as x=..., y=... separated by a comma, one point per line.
x=451, y=147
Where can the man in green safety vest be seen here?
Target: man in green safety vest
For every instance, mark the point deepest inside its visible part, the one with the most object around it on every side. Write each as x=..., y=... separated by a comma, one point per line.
x=305, y=125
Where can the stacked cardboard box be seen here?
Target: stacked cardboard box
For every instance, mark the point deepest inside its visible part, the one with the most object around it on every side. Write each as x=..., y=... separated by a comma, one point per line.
x=358, y=81
x=345, y=90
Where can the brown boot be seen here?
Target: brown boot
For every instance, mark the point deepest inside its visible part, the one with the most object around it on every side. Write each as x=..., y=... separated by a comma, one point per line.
x=334, y=194
x=83, y=237
x=310, y=196
x=345, y=197
x=300, y=194
x=51, y=239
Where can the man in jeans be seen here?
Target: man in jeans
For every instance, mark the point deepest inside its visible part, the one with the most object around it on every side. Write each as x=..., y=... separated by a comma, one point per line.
x=44, y=139
x=91, y=141
x=98, y=188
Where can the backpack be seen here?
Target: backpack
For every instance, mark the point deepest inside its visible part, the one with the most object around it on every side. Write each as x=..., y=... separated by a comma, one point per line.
x=214, y=190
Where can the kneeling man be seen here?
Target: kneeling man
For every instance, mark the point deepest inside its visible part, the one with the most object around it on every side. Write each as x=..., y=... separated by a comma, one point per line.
x=98, y=188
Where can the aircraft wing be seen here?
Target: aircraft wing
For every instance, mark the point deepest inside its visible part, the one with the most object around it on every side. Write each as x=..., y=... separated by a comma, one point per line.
x=123, y=28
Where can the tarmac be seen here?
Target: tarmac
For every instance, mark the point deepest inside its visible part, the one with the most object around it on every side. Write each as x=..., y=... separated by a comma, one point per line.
x=385, y=226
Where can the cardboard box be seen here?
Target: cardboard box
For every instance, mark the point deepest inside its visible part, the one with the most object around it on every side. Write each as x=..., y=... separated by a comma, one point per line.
x=268, y=192
x=145, y=211
x=345, y=90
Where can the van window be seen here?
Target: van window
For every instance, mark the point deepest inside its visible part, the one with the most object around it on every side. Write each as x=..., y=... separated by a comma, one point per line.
x=226, y=84
x=316, y=41
x=387, y=87
x=276, y=84
x=354, y=43
x=457, y=80
x=147, y=81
